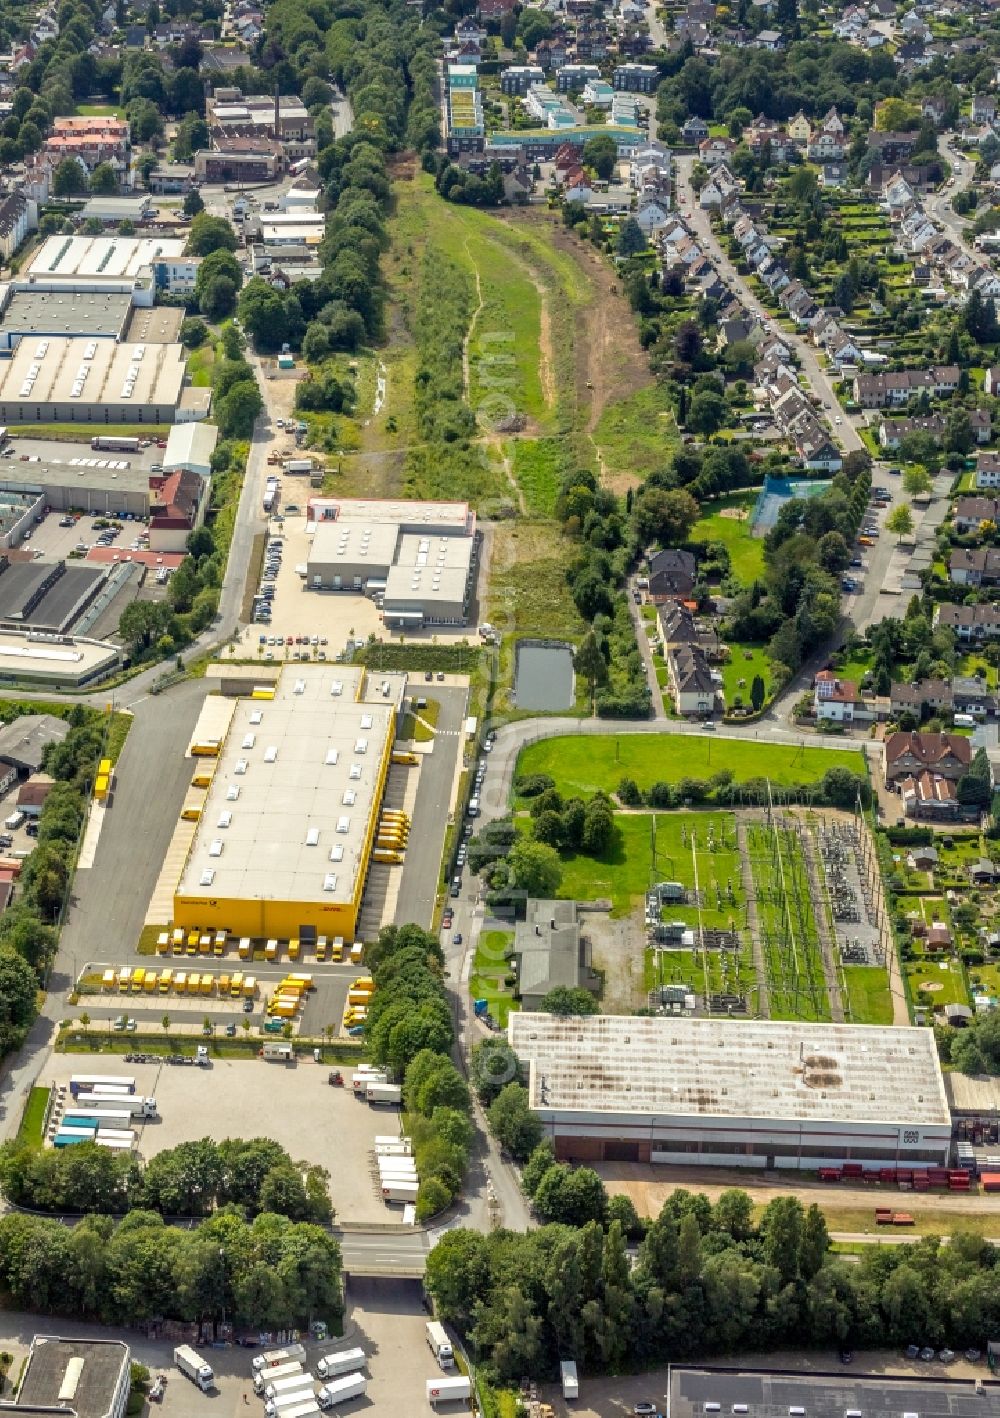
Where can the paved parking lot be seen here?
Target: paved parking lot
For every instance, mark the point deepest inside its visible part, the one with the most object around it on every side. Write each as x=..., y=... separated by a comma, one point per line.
x=51, y=450
x=386, y=1318
x=57, y=542
x=291, y=1103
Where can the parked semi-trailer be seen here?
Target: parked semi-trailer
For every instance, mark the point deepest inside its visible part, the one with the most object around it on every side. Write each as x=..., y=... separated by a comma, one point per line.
x=345, y=1361
x=387, y=1094
x=114, y=1144
x=105, y=1119
x=569, y=1378
x=112, y=444
x=305, y=1406
x=271, y=1358
x=274, y=1388
x=341, y=1390
x=67, y=1137
x=87, y=1082
x=439, y=1344
x=363, y=1077
x=397, y=1147
x=399, y=1191
x=133, y=1104
x=448, y=1390
x=295, y=1398
x=263, y=1377
x=193, y=1367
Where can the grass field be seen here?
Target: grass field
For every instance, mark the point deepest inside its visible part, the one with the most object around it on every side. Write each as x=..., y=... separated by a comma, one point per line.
x=638, y=434
x=868, y=997
x=583, y=765
x=538, y=466
x=29, y=1133
x=744, y=663
x=488, y=970
x=199, y=365
x=746, y=553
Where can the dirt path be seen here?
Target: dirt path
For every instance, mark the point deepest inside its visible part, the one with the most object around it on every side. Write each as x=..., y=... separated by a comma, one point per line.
x=466, y=379
x=650, y=1186
x=545, y=351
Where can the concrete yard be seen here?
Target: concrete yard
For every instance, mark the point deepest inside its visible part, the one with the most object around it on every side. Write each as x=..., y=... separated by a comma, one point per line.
x=291, y=1103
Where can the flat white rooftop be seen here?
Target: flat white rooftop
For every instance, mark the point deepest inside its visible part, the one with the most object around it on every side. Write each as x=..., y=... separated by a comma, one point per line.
x=727, y=1068
x=287, y=813
x=95, y=257
x=23, y=656
x=355, y=544
x=57, y=370
x=443, y=517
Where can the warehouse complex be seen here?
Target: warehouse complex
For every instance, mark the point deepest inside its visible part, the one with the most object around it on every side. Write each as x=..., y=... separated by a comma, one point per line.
x=417, y=560
x=137, y=266
x=709, y=1092
x=285, y=832
x=80, y=380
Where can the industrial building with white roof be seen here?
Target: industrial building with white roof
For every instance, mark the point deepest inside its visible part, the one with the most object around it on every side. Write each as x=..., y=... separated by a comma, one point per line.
x=415, y=559
x=284, y=839
x=722, y=1092
x=96, y=381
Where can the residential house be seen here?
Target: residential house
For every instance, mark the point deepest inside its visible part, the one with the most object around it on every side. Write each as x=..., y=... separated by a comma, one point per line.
x=799, y=129
x=833, y=174
x=922, y=858
x=714, y=151
x=891, y=147
x=984, y=108
x=672, y=574
x=975, y=566
x=18, y=218
x=575, y=76
x=921, y=698
x=970, y=695
x=972, y=625
x=892, y=431
x=907, y=754
x=982, y=425
x=517, y=79
x=825, y=147
x=971, y=511
x=835, y=700
x=693, y=685
x=878, y=391
x=177, y=508
x=769, y=39
x=636, y=78
x=694, y=131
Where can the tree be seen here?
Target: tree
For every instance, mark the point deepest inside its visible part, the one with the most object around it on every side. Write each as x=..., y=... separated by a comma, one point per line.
x=262, y=314
x=917, y=481
x=757, y=693
x=834, y=555
x=513, y=1123
x=601, y=154
x=975, y=788
x=900, y=521
x=69, y=179
x=565, y=1001
x=631, y=239
x=194, y=332
x=707, y=413
x=236, y=412
x=534, y=868
x=210, y=234
x=598, y=825
x=18, y=991
x=217, y=297
x=572, y=1196
x=193, y=203
x=104, y=180
x=665, y=515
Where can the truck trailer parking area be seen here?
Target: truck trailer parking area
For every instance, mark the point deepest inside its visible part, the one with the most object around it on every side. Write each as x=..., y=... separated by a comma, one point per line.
x=291, y=1103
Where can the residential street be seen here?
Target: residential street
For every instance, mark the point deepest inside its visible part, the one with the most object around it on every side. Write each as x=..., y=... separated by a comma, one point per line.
x=816, y=376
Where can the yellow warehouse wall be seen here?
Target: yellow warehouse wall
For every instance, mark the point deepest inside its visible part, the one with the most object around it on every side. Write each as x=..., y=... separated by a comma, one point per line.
x=262, y=919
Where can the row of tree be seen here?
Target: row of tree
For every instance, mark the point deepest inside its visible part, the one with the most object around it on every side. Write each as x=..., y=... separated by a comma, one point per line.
x=271, y=1273
x=409, y=1029
x=707, y=1281
x=191, y=1179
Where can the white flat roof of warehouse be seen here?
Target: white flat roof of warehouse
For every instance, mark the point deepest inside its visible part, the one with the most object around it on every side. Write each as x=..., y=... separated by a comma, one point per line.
x=763, y=1394
x=356, y=543
x=23, y=655
x=414, y=583
x=111, y=257
x=56, y=370
x=443, y=516
x=731, y=1068
x=288, y=809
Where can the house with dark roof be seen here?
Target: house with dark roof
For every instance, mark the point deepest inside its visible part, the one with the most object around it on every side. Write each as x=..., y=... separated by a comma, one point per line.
x=907, y=755
x=929, y=797
x=550, y=952
x=18, y=217
x=973, y=625
x=694, y=687
x=671, y=575
x=929, y=694
x=975, y=566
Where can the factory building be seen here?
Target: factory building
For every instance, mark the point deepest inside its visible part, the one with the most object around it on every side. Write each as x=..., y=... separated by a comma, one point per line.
x=54, y=662
x=82, y=1378
x=761, y=1393
x=107, y=486
x=134, y=266
x=707, y=1092
x=417, y=560
x=97, y=381
x=285, y=831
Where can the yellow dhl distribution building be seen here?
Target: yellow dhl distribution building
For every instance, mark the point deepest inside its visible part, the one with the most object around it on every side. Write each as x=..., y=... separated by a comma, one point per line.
x=285, y=836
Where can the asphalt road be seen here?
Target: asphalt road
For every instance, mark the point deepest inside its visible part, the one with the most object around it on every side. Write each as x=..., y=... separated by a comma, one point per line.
x=390, y=1252
x=938, y=204
x=817, y=377
x=418, y=888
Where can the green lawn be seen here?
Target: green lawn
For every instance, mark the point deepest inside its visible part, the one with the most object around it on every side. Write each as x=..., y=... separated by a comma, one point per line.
x=746, y=552
x=199, y=364
x=488, y=970
x=584, y=764
x=972, y=664
x=99, y=110
x=868, y=994
x=29, y=1134
x=744, y=663
x=83, y=433
x=945, y=978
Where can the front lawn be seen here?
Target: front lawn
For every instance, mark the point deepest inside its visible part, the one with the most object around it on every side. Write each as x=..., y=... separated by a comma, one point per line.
x=584, y=764
x=488, y=970
x=29, y=1134
x=745, y=661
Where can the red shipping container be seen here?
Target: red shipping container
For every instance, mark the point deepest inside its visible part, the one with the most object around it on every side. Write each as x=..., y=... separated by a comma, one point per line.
x=887, y=1174
x=853, y=1169
x=829, y=1174
x=990, y=1181
x=920, y=1183
x=904, y=1174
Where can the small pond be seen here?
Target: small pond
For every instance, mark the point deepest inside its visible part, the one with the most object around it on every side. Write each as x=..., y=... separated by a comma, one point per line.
x=543, y=678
